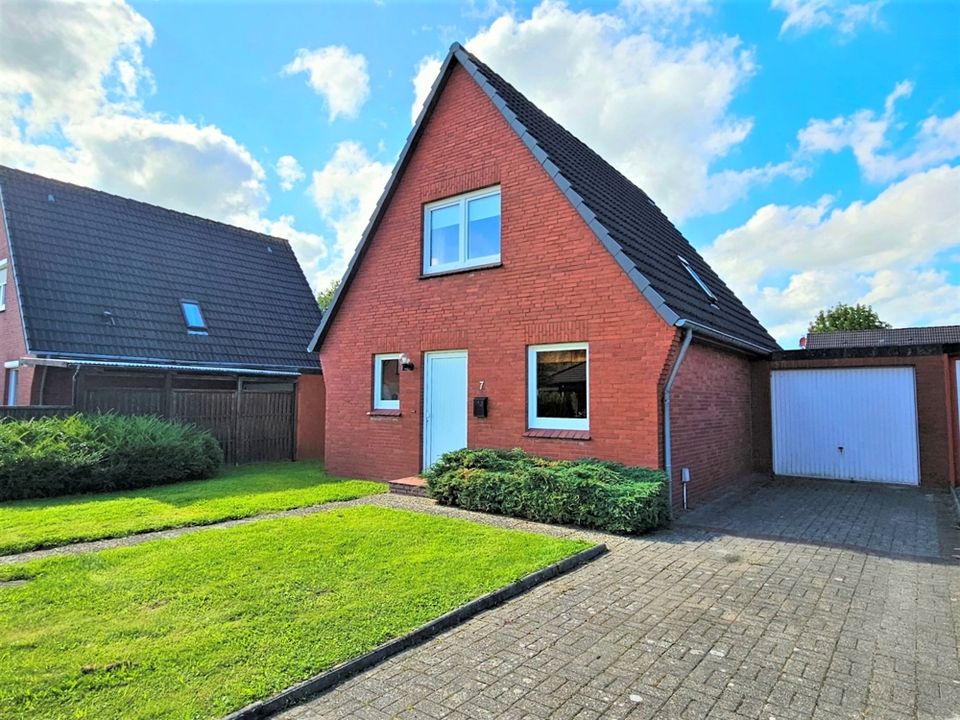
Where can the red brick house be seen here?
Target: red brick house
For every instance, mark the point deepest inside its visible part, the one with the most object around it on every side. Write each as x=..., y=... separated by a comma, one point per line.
x=111, y=304
x=514, y=290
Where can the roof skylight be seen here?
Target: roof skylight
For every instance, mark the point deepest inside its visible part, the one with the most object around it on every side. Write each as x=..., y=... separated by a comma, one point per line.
x=700, y=282
x=193, y=317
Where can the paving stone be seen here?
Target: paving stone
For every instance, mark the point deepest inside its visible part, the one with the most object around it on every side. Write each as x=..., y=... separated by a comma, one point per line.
x=757, y=621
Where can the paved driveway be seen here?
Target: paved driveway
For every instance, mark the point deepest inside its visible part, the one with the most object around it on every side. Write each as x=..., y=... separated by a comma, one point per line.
x=738, y=612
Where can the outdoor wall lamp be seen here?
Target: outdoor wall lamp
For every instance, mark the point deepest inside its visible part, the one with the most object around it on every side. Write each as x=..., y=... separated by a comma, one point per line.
x=405, y=362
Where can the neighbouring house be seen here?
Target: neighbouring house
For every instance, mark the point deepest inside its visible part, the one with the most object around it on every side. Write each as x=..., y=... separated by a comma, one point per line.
x=874, y=405
x=116, y=305
x=513, y=289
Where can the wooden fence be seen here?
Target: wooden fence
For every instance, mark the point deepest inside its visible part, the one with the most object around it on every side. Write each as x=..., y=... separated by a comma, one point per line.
x=29, y=412
x=253, y=419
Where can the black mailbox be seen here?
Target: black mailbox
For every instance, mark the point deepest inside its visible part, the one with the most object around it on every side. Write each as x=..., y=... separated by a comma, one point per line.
x=480, y=407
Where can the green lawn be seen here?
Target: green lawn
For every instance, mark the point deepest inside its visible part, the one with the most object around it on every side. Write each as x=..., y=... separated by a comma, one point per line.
x=202, y=624
x=237, y=493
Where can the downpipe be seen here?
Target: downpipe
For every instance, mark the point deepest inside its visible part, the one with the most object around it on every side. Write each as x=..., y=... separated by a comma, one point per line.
x=667, y=444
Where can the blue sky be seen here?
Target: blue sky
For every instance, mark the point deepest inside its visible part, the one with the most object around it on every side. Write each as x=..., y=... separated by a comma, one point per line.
x=809, y=149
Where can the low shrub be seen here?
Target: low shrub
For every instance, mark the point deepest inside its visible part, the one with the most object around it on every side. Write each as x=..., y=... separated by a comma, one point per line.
x=591, y=493
x=98, y=453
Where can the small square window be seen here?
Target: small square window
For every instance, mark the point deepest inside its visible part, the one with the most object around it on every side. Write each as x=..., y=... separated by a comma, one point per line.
x=558, y=380
x=193, y=317
x=462, y=232
x=386, y=382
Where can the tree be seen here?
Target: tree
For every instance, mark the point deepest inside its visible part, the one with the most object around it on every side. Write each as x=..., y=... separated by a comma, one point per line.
x=325, y=297
x=847, y=317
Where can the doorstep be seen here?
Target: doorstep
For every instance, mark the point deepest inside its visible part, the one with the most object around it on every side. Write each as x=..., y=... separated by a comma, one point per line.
x=415, y=486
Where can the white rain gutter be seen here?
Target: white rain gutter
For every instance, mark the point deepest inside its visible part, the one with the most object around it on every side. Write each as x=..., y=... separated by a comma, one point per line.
x=667, y=443
x=56, y=362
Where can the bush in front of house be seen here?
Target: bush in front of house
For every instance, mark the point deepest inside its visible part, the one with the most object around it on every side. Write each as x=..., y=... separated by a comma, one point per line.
x=99, y=453
x=590, y=493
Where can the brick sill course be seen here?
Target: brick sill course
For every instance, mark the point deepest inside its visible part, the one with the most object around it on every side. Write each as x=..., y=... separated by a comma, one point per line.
x=558, y=434
x=384, y=413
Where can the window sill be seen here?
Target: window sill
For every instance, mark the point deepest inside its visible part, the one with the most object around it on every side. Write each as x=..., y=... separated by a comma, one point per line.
x=557, y=434
x=384, y=413
x=460, y=271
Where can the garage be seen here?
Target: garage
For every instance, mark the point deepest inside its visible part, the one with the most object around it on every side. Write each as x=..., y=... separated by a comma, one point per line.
x=854, y=423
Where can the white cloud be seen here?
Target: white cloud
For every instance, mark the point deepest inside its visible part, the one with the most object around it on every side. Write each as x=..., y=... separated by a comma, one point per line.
x=337, y=74
x=665, y=12
x=64, y=56
x=937, y=139
x=788, y=262
x=804, y=16
x=289, y=171
x=658, y=110
x=71, y=78
x=423, y=78
x=345, y=192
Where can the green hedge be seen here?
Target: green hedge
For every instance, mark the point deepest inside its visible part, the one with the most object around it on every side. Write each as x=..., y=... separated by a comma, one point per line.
x=98, y=453
x=590, y=493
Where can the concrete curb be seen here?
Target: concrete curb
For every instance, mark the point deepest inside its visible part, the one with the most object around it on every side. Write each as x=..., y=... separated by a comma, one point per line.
x=338, y=673
x=955, y=492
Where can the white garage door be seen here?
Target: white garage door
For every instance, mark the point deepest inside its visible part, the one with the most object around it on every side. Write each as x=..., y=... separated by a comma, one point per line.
x=850, y=424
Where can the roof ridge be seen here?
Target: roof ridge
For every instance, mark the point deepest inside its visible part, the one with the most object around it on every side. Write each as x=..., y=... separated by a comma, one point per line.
x=633, y=230
x=616, y=248
x=172, y=211
x=563, y=129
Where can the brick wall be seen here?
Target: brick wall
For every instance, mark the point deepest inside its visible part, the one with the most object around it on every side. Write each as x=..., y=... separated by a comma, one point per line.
x=933, y=407
x=12, y=346
x=557, y=284
x=711, y=423
x=311, y=409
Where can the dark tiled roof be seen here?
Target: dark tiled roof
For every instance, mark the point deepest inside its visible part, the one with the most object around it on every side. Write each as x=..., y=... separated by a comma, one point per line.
x=79, y=252
x=625, y=220
x=937, y=335
x=635, y=224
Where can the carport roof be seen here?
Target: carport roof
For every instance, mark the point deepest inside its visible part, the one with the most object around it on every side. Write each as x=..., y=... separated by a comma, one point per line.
x=934, y=335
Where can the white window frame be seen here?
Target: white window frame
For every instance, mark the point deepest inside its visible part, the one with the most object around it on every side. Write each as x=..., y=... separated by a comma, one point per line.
x=464, y=202
x=378, y=402
x=534, y=422
x=3, y=284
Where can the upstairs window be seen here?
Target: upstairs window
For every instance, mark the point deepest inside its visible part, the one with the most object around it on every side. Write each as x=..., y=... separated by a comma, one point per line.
x=193, y=317
x=698, y=279
x=3, y=284
x=462, y=232
x=558, y=380
x=386, y=382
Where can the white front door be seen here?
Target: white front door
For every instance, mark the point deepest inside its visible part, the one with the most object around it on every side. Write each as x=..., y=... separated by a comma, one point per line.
x=846, y=423
x=444, y=404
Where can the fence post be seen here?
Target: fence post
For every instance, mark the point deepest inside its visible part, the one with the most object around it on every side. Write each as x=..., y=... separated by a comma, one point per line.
x=293, y=424
x=236, y=422
x=168, y=396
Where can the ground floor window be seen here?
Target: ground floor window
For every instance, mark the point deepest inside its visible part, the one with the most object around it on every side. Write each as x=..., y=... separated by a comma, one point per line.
x=10, y=392
x=386, y=382
x=558, y=379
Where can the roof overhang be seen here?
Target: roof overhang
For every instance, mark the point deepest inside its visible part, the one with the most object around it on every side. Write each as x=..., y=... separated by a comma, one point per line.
x=72, y=362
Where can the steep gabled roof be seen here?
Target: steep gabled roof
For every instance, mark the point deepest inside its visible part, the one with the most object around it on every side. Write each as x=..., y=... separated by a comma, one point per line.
x=79, y=253
x=933, y=335
x=657, y=258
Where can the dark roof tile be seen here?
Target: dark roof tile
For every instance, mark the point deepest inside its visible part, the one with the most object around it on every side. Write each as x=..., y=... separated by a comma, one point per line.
x=87, y=252
x=628, y=223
